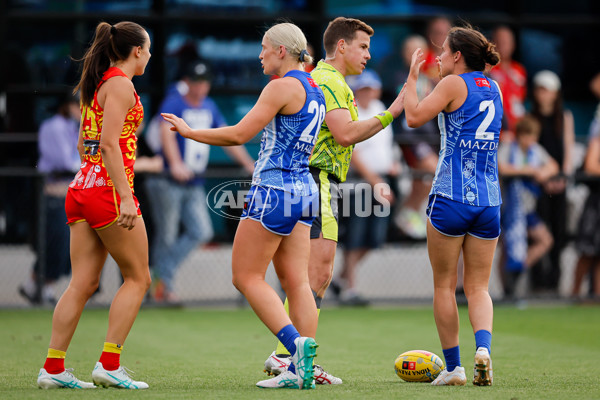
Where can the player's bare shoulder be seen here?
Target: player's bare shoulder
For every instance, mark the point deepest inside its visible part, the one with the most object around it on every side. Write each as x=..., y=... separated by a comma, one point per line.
x=285, y=91
x=117, y=87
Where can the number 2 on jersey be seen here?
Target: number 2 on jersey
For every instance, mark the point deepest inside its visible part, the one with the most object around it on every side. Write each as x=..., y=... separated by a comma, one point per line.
x=310, y=133
x=481, y=132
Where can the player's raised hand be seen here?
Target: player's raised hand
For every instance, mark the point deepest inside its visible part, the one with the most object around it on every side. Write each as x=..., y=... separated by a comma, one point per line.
x=416, y=63
x=179, y=124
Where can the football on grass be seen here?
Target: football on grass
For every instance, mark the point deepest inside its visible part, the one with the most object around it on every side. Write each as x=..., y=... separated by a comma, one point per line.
x=418, y=366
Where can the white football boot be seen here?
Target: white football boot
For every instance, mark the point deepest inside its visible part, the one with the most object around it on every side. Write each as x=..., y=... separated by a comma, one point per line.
x=65, y=379
x=323, y=377
x=482, y=373
x=454, y=378
x=275, y=365
x=285, y=380
x=118, y=378
x=306, y=350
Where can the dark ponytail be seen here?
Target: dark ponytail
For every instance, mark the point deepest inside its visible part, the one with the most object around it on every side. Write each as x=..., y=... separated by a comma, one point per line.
x=491, y=56
x=476, y=50
x=111, y=43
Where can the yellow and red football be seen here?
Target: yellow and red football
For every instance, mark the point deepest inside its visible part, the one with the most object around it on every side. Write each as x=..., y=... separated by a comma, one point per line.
x=418, y=366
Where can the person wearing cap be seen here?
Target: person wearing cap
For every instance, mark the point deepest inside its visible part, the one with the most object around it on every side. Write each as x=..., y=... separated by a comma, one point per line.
x=178, y=196
x=557, y=136
x=375, y=161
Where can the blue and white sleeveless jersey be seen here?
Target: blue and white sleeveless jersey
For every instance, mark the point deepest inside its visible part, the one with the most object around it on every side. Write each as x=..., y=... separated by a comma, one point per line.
x=287, y=143
x=467, y=170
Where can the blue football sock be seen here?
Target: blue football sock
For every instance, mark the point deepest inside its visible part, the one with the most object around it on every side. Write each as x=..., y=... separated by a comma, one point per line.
x=483, y=338
x=287, y=335
x=452, y=357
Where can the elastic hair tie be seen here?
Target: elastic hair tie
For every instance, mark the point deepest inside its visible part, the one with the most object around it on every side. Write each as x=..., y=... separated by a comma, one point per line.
x=303, y=54
x=113, y=30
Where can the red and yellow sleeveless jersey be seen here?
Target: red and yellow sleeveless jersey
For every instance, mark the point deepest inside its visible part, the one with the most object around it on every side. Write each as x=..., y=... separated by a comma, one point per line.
x=93, y=173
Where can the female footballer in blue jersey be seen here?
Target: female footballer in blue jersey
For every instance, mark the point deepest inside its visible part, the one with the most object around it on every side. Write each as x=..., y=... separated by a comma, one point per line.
x=278, y=211
x=464, y=204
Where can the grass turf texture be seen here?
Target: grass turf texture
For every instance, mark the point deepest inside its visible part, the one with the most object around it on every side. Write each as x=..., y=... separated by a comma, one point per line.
x=538, y=353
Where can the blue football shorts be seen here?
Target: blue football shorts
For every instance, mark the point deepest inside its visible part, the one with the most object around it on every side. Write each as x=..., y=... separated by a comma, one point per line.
x=452, y=218
x=279, y=211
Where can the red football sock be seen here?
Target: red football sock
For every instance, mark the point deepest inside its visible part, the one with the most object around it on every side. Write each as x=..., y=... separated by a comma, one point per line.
x=111, y=356
x=110, y=361
x=54, y=365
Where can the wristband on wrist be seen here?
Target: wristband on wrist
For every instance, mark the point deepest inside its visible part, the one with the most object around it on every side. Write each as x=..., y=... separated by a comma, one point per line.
x=385, y=118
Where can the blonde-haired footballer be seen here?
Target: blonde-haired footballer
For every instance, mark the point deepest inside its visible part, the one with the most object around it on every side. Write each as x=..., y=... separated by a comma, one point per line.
x=346, y=42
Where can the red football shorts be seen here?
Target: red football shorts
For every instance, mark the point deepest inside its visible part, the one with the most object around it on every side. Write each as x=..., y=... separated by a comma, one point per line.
x=99, y=207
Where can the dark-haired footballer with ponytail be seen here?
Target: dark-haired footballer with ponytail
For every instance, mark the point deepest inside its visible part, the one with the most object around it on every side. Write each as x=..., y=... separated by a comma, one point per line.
x=464, y=203
x=102, y=211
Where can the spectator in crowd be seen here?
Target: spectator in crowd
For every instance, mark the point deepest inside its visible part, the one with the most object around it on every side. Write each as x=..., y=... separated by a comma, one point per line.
x=376, y=162
x=58, y=160
x=525, y=165
x=436, y=32
x=511, y=76
x=179, y=198
x=417, y=146
x=558, y=138
x=588, y=237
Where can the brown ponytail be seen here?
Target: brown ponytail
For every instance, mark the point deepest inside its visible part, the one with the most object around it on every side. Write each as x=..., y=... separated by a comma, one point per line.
x=474, y=47
x=111, y=43
x=491, y=57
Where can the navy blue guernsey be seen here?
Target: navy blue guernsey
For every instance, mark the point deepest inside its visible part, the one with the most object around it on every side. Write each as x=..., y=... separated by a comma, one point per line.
x=287, y=143
x=467, y=169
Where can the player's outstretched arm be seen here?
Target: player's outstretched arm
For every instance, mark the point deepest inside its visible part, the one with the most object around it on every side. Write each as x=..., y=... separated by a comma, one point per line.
x=347, y=132
x=272, y=99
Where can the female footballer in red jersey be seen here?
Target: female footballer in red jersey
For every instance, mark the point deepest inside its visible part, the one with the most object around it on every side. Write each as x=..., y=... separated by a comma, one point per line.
x=101, y=208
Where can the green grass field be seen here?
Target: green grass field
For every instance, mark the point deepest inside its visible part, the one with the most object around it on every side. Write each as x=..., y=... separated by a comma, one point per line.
x=538, y=353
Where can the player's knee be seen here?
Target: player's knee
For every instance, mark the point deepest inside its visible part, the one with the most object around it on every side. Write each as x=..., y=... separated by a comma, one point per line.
x=321, y=279
x=142, y=280
x=290, y=285
x=472, y=291
x=147, y=282
x=87, y=289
